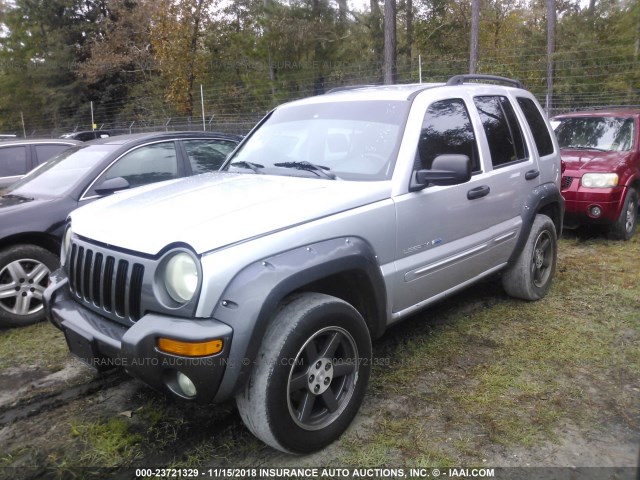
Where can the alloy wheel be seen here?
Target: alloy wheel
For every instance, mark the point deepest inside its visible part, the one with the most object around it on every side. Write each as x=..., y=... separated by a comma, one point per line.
x=322, y=378
x=22, y=284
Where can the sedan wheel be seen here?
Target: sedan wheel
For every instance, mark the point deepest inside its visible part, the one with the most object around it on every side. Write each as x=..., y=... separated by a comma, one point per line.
x=24, y=274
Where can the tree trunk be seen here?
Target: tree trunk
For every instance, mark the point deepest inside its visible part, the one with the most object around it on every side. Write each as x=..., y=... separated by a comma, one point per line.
x=319, y=53
x=390, y=53
x=551, y=48
x=343, y=9
x=475, y=22
x=272, y=71
x=193, y=52
x=409, y=27
x=377, y=35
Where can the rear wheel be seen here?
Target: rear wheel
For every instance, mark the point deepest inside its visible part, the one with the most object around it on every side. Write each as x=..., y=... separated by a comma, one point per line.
x=625, y=226
x=310, y=374
x=24, y=274
x=530, y=276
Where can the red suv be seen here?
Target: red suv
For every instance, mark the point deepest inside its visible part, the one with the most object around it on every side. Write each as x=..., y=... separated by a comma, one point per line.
x=601, y=179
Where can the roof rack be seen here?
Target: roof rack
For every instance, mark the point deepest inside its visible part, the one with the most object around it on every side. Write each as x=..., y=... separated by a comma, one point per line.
x=460, y=79
x=345, y=88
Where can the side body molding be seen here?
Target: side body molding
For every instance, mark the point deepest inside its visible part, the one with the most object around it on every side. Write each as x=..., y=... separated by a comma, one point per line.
x=250, y=300
x=545, y=198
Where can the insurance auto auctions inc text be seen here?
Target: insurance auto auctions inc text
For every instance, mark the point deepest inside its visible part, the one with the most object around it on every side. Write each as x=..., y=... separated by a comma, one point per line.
x=367, y=473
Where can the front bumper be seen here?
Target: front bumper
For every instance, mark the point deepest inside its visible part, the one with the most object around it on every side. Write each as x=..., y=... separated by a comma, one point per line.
x=104, y=344
x=581, y=204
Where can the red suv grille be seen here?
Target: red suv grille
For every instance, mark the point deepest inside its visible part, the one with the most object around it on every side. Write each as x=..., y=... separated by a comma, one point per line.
x=566, y=182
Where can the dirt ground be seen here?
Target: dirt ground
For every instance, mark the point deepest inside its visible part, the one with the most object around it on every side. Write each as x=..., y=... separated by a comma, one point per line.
x=66, y=419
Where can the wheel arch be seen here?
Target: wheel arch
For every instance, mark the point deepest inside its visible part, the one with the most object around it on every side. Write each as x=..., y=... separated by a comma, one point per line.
x=635, y=184
x=333, y=267
x=544, y=199
x=43, y=240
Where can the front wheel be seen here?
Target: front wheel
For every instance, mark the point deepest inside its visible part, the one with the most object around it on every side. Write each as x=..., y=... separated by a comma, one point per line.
x=310, y=375
x=529, y=278
x=24, y=274
x=625, y=226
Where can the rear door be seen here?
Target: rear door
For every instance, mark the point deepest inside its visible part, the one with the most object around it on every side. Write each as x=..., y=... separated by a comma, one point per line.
x=449, y=236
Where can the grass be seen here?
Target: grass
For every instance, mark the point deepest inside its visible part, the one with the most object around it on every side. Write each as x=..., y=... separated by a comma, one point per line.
x=108, y=444
x=40, y=345
x=478, y=372
x=507, y=372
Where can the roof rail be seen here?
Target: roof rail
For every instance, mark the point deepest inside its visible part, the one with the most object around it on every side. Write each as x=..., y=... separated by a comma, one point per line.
x=345, y=88
x=460, y=79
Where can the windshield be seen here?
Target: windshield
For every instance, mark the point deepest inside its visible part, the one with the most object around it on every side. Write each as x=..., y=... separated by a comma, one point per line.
x=597, y=133
x=59, y=175
x=345, y=140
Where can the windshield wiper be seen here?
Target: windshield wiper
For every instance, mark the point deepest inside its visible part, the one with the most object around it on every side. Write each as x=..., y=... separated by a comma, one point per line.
x=582, y=147
x=256, y=167
x=319, y=170
x=19, y=197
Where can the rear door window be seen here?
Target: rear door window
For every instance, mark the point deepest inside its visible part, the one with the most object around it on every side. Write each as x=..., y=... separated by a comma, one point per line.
x=13, y=161
x=45, y=152
x=504, y=135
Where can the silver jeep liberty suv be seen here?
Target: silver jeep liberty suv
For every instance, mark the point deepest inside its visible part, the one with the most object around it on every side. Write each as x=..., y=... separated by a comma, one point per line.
x=336, y=217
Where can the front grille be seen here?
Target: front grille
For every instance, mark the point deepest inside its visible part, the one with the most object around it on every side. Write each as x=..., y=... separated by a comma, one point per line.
x=566, y=182
x=106, y=282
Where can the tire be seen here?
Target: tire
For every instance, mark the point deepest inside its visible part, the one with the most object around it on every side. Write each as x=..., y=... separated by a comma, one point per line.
x=625, y=226
x=529, y=278
x=310, y=375
x=24, y=274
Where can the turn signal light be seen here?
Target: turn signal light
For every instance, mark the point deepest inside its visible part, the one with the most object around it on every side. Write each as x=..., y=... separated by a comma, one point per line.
x=189, y=349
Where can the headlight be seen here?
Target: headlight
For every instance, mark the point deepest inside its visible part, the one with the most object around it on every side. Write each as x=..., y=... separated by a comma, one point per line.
x=599, y=180
x=66, y=245
x=181, y=277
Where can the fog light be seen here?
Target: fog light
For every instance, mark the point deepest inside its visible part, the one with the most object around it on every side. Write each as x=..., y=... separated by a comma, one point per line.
x=595, y=211
x=186, y=385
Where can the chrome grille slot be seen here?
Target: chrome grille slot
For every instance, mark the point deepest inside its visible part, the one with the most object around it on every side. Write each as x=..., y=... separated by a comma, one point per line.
x=121, y=283
x=97, y=277
x=106, y=283
x=86, y=275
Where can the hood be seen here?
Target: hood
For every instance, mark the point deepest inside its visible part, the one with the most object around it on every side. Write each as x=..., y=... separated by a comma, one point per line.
x=10, y=202
x=20, y=214
x=583, y=161
x=213, y=210
x=18, y=205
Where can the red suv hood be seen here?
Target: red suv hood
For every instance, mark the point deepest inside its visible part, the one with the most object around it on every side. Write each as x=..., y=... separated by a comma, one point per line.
x=593, y=160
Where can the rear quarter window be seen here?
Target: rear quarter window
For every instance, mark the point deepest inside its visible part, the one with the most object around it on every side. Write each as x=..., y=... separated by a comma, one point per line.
x=537, y=125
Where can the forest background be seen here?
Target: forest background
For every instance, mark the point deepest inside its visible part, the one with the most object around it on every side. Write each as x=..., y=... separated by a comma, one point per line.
x=139, y=65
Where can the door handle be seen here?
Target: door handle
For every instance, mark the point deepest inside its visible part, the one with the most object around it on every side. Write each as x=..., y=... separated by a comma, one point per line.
x=531, y=174
x=478, y=192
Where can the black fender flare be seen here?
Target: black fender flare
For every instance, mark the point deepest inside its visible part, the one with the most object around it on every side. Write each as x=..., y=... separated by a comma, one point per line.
x=249, y=301
x=545, y=195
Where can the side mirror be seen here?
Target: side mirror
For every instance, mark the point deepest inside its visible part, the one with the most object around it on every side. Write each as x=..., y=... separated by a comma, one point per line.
x=112, y=185
x=445, y=170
